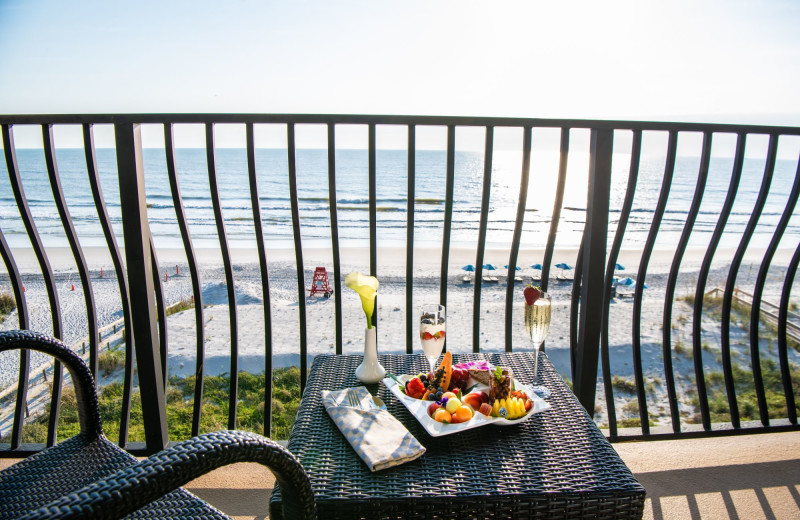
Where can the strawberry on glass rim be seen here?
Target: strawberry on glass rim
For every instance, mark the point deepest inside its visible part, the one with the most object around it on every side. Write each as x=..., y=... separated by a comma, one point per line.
x=531, y=294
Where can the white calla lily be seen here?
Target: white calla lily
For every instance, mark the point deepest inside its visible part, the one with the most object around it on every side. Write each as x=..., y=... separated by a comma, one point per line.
x=367, y=289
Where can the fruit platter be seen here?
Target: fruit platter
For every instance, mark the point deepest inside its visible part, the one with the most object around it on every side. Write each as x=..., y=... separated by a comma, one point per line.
x=460, y=397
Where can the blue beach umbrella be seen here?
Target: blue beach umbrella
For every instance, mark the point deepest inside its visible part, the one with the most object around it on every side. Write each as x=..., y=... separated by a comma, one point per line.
x=518, y=268
x=489, y=267
x=626, y=281
x=537, y=266
x=619, y=267
x=469, y=268
x=563, y=265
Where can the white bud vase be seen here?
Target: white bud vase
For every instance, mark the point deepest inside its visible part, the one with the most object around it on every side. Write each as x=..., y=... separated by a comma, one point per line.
x=370, y=371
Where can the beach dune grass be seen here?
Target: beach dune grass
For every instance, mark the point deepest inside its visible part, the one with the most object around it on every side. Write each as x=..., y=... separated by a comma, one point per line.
x=745, y=393
x=110, y=361
x=623, y=384
x=182, y=305
x=7, y=305
x=740, y=315
x=179, y=395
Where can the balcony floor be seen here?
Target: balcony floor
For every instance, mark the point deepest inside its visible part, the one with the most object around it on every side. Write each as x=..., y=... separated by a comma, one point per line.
x=739, y=477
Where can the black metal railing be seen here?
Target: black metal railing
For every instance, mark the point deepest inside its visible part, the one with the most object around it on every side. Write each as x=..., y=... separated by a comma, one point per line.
x=143, y=300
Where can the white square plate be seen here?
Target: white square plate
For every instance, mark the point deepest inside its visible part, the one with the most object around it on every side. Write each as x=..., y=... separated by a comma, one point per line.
x=419, y=409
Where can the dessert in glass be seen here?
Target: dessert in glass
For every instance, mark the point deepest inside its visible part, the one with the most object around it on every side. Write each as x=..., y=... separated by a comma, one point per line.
x=432, y=332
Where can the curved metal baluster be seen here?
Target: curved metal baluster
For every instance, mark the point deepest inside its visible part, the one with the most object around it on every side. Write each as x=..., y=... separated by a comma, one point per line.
x=448, y=212
x=24, y=355
x=559, y=201
x=180, y=214
x=574, y=308
x=333, y=203
x=161, y=311
x=613, y=255
x=74, y=244
x=122, y=277
x=44, y=265
x=262, y=262
x=298, y=253
x=512, y=257
x=487, y=189
x=783, y=315
x=658, y=213
x=702, y=277
x=672, y=279
x=755, y=314
x=412, y=171
x=730, y=285
x=226, y=262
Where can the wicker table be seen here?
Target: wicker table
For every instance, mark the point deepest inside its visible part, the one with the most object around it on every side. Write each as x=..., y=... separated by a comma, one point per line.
x=556, y=465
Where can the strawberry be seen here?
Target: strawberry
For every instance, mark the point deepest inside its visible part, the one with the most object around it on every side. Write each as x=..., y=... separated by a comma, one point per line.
x=531, y=294
x=427, y=335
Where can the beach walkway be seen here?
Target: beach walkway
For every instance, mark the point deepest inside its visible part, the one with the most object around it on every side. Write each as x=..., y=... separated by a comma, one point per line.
x=739, y=477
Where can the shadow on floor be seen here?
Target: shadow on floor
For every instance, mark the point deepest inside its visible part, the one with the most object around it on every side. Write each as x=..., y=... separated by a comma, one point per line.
x=761, y=490
x=246, y=503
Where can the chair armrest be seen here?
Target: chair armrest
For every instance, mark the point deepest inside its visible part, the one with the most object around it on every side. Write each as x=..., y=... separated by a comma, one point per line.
x=134, y=487
x=85, y=391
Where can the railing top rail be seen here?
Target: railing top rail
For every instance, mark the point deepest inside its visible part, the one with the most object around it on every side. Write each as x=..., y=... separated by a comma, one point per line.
x=222, y=118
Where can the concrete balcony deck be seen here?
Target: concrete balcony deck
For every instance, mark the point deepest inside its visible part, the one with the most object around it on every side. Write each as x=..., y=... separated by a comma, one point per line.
x=741, y=477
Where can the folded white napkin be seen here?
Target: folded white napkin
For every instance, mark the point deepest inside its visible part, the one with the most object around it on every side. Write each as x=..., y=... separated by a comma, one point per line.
x=379, y=439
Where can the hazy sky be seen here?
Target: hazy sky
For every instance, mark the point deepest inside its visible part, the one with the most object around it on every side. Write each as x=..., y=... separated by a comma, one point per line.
x=730, y=61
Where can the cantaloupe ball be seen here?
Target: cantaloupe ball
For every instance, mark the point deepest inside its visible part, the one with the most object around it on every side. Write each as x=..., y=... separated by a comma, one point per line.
x=442, y=415
x=463, y=414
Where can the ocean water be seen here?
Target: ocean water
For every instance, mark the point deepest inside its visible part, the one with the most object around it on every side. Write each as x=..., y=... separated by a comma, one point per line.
x=352, y=196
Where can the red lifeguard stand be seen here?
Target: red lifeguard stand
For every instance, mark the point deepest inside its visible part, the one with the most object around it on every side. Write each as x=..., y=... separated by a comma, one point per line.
x=320, y=285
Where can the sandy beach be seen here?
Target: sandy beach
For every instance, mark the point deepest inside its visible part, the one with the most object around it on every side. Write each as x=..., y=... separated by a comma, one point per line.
x=392, y=310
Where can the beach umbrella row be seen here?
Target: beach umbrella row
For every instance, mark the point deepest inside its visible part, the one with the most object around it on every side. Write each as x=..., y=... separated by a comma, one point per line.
x=489, y=267
x=628, y=282
x=562, y=265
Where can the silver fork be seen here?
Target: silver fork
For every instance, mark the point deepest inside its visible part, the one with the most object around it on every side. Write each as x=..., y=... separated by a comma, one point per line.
x=352, y=398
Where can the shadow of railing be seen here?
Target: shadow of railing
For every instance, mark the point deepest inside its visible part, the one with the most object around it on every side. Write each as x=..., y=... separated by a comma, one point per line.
x=760, y=490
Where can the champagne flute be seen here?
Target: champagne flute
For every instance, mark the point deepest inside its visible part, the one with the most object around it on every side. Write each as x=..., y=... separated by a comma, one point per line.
x=432, y=332
x=537, y=324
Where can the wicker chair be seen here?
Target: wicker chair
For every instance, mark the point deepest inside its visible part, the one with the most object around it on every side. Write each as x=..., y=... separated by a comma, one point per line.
x=87, y=476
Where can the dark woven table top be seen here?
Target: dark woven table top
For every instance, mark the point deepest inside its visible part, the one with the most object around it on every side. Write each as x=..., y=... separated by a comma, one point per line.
x=555, y=465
